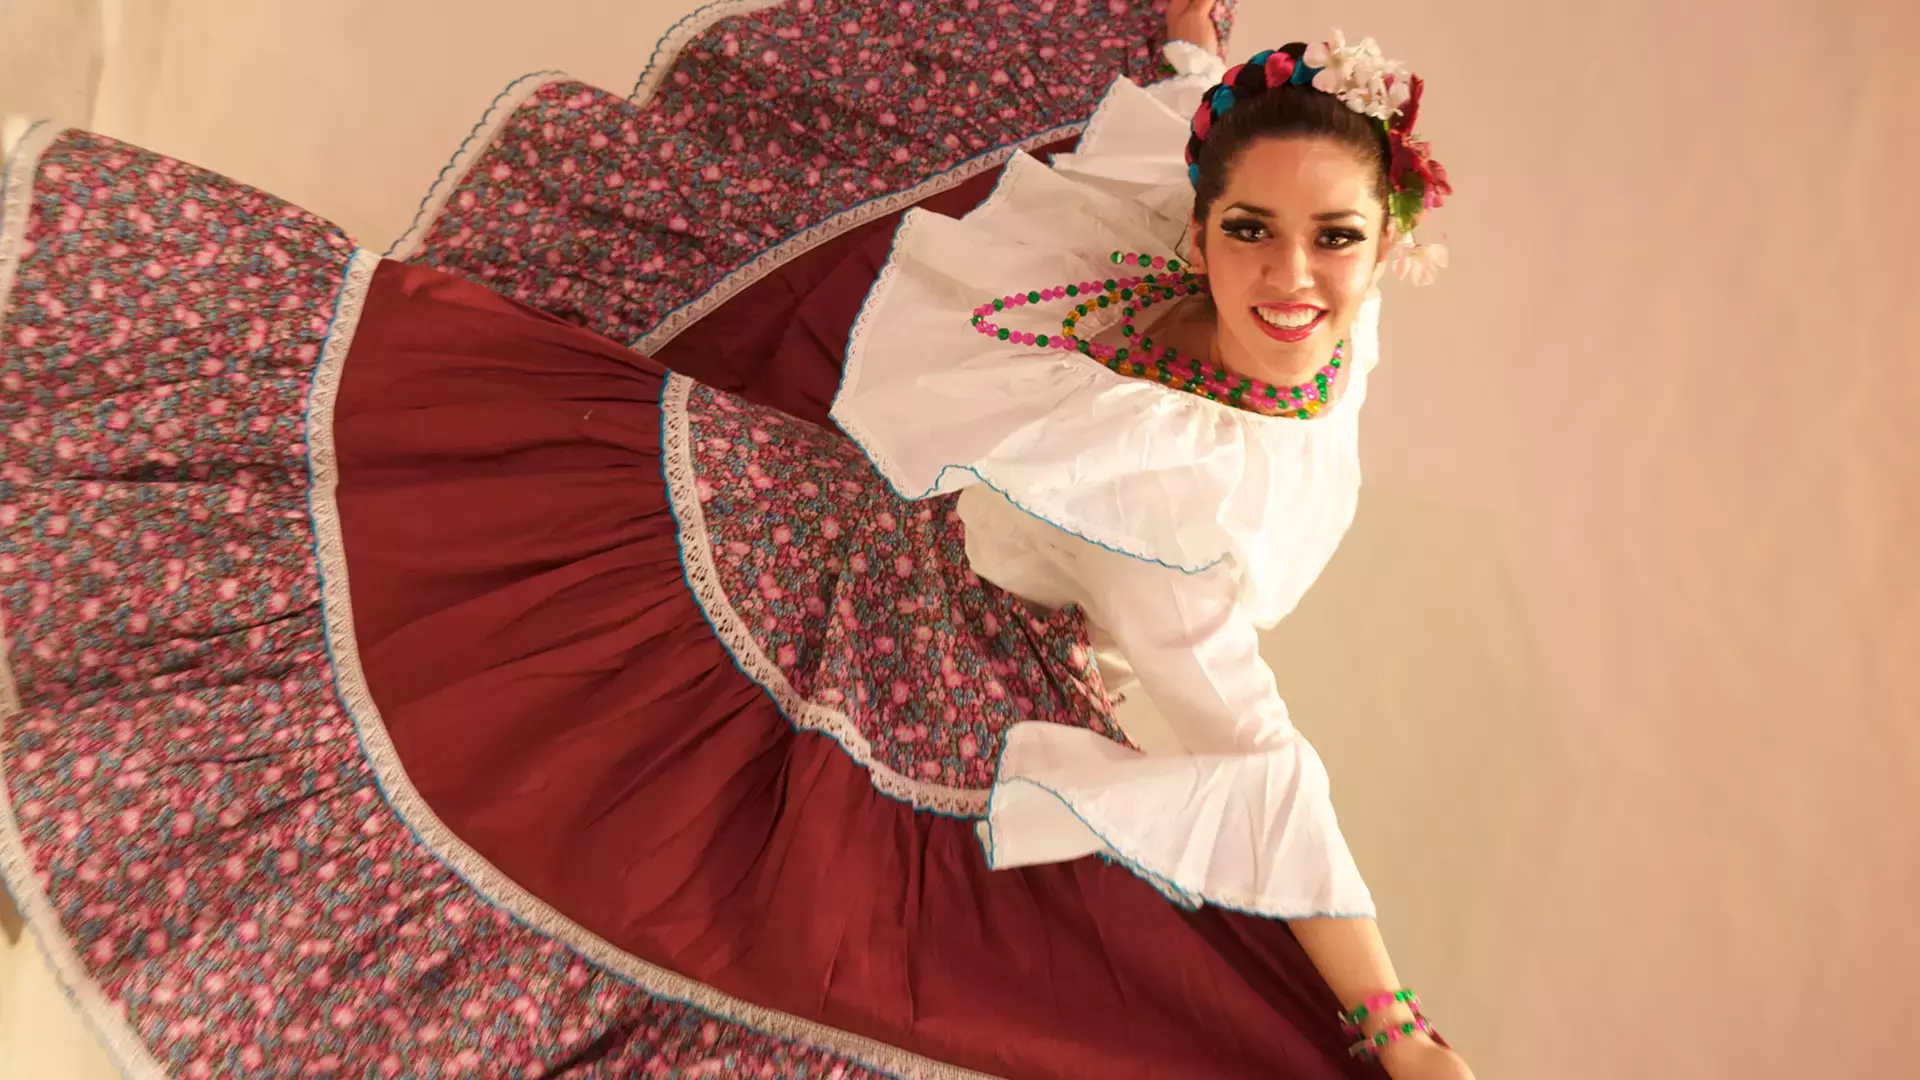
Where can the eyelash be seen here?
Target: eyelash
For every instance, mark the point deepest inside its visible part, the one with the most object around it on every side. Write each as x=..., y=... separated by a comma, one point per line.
x=1341, y=238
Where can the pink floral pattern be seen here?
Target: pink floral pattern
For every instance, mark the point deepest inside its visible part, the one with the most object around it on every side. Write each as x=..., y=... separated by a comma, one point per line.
x=190, y=795
x=613, y=215
x=865, y=602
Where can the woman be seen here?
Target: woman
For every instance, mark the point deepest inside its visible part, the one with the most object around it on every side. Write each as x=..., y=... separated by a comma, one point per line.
x=414, y=681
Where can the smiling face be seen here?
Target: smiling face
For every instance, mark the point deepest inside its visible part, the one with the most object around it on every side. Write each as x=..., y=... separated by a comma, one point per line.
x=1290, y=249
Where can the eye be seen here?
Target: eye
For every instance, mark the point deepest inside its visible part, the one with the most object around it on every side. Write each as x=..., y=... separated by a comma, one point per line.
x=1245, y=230
x=1342, y=238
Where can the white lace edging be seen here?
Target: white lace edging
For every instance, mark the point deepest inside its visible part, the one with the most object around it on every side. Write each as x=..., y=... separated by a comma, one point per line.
x=667, y=49
x=17, y=872
x=482, y=876
x=16, y=200
x=703, y=579
x=814, y=235
x=505, y=104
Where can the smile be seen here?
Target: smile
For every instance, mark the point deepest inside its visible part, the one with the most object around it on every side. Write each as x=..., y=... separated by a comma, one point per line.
x=1289, y=322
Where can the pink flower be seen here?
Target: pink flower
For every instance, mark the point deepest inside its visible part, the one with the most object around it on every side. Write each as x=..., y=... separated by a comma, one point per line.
x=1419, y=263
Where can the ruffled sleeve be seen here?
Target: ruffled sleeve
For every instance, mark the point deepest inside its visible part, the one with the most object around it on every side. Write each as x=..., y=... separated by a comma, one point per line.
x=1243, y=819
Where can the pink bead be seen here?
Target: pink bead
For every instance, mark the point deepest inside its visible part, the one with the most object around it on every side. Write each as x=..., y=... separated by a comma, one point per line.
x=1159, y=262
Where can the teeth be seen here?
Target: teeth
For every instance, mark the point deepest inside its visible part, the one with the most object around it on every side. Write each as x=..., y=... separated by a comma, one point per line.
x=1292, y=320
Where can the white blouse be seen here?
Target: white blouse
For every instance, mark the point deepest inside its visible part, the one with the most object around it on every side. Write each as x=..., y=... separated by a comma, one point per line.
x=1180, y=525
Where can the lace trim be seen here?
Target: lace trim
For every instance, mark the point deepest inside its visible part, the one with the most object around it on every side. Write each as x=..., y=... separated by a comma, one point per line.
x=480, y=875
x=16, y=200
x=703, y=579
x=505, y=104
x=682, y=32
x=17, y=870
x=814, y=235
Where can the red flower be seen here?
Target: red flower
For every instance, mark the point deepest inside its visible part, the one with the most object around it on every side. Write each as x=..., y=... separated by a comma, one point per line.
x=1411, y=156
x=1402, y=123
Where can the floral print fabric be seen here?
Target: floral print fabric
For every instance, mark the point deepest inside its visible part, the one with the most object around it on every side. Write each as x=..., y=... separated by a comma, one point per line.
x=615, y=214
x=865, y=607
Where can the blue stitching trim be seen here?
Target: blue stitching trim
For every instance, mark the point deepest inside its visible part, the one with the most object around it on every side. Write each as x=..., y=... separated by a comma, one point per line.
x=434, y=188
x=687, y=578
x=1160, y=883
x=866, y=310
x=12, y=157
x=379, y=783
x=654, y=56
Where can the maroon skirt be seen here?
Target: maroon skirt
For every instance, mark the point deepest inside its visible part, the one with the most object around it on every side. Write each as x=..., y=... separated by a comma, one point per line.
x=406, y=676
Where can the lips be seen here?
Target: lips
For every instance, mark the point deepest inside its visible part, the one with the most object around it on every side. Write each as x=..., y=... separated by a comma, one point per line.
x=1288, y=322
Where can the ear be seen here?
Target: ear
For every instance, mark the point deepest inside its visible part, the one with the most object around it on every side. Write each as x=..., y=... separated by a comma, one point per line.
x=1196, y=251
x=1389, y=239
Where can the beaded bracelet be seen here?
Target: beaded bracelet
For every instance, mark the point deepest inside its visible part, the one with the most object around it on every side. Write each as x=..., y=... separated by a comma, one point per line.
x=1380, y=1001
x=1370, y=1047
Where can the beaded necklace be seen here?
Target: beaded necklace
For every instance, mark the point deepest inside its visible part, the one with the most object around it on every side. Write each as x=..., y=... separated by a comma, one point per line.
x=1165, y=280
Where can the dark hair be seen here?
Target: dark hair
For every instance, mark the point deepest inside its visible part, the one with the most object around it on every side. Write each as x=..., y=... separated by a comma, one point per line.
x=1290, y=110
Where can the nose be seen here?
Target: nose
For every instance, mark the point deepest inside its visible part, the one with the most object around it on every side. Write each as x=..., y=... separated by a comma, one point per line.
x=1290, y=269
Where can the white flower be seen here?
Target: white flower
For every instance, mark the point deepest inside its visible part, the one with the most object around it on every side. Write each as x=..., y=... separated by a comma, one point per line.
x=1319, y=54
x=1419, y=263
x=1358, y=75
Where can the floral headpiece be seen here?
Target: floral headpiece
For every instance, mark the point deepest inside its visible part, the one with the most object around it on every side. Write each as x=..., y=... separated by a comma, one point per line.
x=1368, y=83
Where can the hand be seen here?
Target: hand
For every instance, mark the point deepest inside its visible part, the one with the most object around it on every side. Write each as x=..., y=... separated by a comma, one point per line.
x=1192, y=20
x=1423, y=1059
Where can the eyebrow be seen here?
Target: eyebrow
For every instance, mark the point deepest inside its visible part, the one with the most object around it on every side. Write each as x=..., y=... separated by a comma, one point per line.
x=1331, y=215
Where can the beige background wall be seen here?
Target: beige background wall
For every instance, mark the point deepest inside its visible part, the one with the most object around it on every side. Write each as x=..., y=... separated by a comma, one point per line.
x=1616, y=674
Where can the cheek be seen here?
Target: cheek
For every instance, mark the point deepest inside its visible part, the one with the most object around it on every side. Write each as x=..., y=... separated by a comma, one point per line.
x=1347, y=277
x=1234, y=274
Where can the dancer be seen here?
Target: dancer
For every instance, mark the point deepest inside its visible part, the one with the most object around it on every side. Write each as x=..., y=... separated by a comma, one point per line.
x=408, y=677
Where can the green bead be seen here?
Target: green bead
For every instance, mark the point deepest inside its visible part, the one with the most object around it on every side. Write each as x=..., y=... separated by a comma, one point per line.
x=1039, y=339
x=1173, y=265
x=999, y=305
x=1117, y=256
x=1126, y=331
x=1146, y=260
x=1126, y=294
x=1297, y=392
x=1082, y=309
x=1148, y=279
x=1103, y=301
x=1120, y=353
x=1273, y=391
x=1112, y=284
x=1033, y=297
x=977, y=318
x=1220, y=373
x=1406, y=1028
x=1073, y=290
x=1234, y=397
x=1003, y=335
x=1127, y=311
x=1146, y=343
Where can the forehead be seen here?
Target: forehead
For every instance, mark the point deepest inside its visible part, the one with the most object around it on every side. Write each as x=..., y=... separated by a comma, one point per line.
x=1301, y=176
